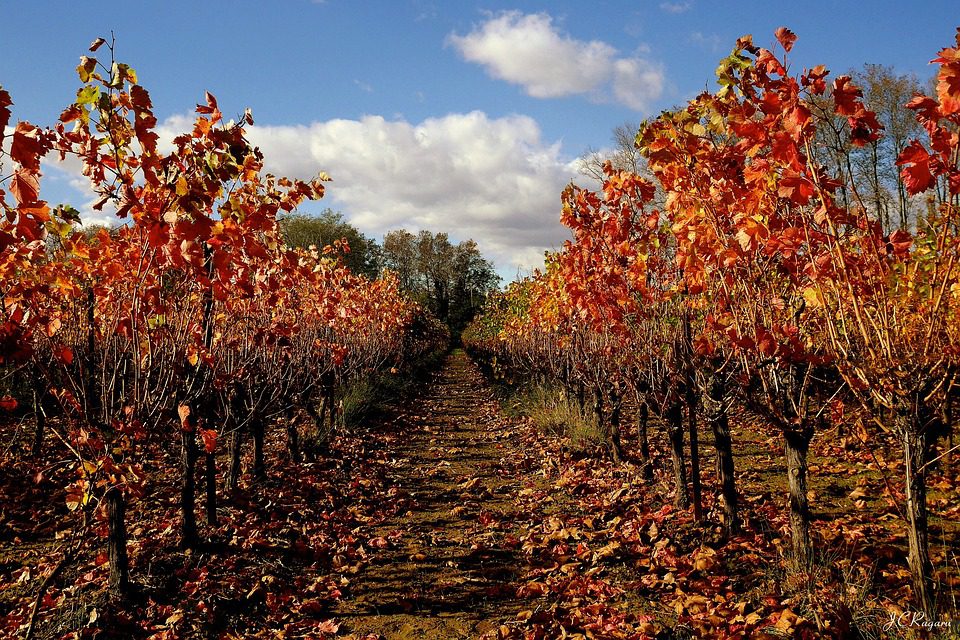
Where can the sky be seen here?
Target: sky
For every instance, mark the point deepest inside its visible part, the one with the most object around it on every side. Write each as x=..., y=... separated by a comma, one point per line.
x=456, y=116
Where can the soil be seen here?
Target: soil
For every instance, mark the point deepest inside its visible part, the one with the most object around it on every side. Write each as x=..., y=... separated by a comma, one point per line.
x=446, y=574
x=442, y=517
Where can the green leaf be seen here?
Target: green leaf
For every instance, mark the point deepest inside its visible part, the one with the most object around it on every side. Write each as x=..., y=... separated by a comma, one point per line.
x=88, y=95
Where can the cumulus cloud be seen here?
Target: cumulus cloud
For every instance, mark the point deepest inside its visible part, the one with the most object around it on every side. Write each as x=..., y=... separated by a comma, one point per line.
x=491, y=179
x=63, y=183
x=494, y=180
x=529, y=50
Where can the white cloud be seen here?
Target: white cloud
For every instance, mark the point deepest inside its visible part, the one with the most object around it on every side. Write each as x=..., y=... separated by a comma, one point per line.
x=676, y=7
x=63, y=182
x=490, y=179
x=494, y=180
x=528, y=50
x=634, y=80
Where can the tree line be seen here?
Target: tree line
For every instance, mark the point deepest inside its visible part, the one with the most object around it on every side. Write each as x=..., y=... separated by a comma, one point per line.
x=451, y=280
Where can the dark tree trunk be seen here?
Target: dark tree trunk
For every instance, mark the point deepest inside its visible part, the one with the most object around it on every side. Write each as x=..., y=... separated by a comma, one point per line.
x=716, y=414
x=321, y=416
x=643, y=417
x=674, y=419
x=317, y=442
x=616, y=404
x=947, y=462
x=691, y=402
x=188, y=488
x=581, y=396
x=293, y=436
x=598, y=408
x=914, y=431
x=211, y=481
x=331, y=402
x=233, y=470
x=796, y=445
x=116, y=542
x=259, y=466
x=690, y=399
x=91, y=397
x=39, y=391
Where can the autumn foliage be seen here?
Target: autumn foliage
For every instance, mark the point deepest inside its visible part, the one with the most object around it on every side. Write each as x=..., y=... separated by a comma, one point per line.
x=190, y=323
x=757, y=285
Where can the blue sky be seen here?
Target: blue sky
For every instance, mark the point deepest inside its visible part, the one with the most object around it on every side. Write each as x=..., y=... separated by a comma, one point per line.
x=465, y=117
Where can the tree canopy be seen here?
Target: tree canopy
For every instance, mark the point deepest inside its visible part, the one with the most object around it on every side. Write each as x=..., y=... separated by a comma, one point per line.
x=453, y=281
x=302, y=230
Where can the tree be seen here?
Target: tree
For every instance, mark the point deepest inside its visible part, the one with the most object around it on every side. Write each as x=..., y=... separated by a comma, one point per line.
x=453, y=281
x=868, y=174
x=886, y=93
x=625, y=156
x=301, y=231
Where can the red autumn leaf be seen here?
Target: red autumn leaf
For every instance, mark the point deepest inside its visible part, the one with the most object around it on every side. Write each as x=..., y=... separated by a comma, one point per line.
x=864, y=128
x=144, y=123
x=795, y=188
x=899, y=242
x=5, y=103
x=916, y=173
x=378, y=543
x=184, y=412
x=846, y=97
x=795, y=120
x=766, y=343
x=814, y=78
x=328, y=626
x=210, y=107
x=209, y=439
x=948, y=80
x=128, y=200
x=926, y=108
x=28, y=146
x=8, y=403
x=71, y=113
x=64, y=354
x=25, y=186
x=784, y=150
x=786, y=38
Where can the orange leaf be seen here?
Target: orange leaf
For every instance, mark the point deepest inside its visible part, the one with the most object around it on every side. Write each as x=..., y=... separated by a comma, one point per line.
x=786, y=38
x=209, y=439
x=184, y=412
x=25, y=186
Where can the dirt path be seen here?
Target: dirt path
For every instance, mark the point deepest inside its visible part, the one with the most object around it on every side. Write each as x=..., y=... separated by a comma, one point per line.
x=444, y=570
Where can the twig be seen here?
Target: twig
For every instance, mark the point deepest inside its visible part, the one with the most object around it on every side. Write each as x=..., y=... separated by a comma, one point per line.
x=43, y=589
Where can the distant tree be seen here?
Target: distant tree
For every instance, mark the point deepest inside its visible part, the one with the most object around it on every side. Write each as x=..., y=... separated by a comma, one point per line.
x=624, y=156
x=886, y=92
x=400, y=255
x=302, y=230
x=453, y=281
x=869, y=174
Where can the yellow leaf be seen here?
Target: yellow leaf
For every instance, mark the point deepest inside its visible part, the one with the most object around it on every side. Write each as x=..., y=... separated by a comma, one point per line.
x=813, y=297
